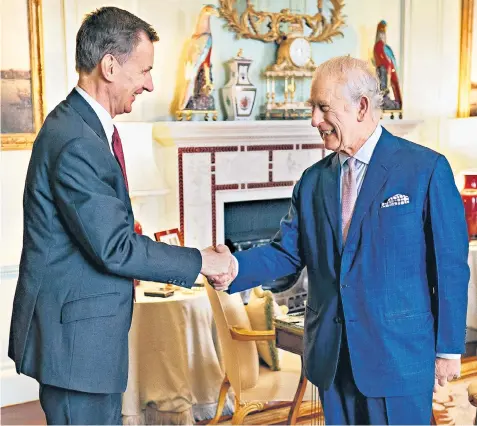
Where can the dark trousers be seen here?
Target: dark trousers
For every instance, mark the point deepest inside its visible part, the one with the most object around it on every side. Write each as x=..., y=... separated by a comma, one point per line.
x=344, y=404
x=69, y=407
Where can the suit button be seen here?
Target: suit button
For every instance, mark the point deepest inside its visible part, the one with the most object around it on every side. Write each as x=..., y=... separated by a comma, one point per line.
x=338, y=320
x=183, y=283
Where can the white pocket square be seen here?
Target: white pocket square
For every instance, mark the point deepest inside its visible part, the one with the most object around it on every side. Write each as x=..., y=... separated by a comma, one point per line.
x=396, y=200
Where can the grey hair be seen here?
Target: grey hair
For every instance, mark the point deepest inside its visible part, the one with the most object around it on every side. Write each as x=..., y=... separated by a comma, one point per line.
x=109, y=30
x=357, y=76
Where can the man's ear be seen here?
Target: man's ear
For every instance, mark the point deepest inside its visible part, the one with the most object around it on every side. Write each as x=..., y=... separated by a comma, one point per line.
x=363, y=107
x=108, y=67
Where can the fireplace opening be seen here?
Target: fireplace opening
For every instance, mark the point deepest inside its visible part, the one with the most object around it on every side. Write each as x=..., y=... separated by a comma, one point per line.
x=249, y=224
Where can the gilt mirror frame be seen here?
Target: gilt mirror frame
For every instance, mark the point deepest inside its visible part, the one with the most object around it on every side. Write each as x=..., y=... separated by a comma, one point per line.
x=247, y=25
x=463, y=107
x=17, y=141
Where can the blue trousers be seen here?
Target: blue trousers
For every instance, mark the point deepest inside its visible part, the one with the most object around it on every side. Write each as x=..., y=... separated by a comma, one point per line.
x=69, y=407
x=344, y=404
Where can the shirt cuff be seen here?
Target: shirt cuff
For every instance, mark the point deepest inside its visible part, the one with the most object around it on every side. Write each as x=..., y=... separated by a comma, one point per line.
x=448, y=356
x=236, y=265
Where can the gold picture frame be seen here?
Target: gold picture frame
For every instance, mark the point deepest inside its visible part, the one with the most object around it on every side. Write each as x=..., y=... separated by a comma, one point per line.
x=466, y=49
x=171, y=236
x=32, y=98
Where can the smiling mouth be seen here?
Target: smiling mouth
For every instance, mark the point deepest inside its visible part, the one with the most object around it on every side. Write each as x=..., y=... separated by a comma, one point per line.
x=324, y=133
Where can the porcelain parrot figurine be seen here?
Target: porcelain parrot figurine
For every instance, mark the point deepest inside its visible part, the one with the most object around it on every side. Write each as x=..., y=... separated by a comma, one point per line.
x=198, y=71
x=386, y=67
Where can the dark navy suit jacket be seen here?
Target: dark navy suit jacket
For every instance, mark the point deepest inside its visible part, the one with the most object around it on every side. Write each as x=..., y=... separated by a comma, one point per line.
x=73, y=303
x=399, y=284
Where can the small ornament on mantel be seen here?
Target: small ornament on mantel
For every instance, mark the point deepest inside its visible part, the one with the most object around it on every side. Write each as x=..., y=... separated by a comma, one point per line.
x=294, y=62
x=387, y=73
x=239, y=93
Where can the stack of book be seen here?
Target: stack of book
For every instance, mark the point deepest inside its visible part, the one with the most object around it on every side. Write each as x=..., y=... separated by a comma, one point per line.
x=294, y=322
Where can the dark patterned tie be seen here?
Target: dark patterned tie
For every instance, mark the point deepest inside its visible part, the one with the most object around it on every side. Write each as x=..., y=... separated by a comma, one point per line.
x=119, y=154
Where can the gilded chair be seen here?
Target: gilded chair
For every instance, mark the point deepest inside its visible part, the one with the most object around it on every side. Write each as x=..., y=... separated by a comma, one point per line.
x=472, y=390
x=253, y=385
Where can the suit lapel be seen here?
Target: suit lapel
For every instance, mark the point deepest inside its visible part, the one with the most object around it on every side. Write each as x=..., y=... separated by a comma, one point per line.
x=330, y=187
x=382, y=162
x=79, y=104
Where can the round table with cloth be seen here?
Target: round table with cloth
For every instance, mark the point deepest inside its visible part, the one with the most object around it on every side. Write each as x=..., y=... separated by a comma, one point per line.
x=174, y=359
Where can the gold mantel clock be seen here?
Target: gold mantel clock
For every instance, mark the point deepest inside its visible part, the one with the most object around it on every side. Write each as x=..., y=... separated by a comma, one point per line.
x=293, y=62
x=295, y=52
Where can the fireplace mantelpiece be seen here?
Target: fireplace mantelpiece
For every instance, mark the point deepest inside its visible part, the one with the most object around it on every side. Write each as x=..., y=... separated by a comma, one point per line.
x=218, y=162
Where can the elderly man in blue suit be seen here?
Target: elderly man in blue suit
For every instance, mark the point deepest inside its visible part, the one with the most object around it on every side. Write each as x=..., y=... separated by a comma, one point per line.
x=380, y=226
x=73, y=304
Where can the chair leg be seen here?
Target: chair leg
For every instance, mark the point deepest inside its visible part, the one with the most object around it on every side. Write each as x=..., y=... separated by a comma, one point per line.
x=244, y=410
x=224, y=387
x=297, y=400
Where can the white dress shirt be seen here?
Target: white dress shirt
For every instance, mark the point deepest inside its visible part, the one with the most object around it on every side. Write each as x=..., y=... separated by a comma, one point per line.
x=103, y=115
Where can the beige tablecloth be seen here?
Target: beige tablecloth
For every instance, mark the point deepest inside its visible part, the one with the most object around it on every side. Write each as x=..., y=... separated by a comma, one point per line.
x=174, y=358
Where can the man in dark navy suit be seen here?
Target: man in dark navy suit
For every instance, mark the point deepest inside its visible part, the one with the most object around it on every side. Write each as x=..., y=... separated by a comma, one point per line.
x=380, y=226
x=73, y=303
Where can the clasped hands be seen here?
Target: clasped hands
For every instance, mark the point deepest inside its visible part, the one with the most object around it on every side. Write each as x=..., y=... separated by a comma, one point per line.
x=218, y=266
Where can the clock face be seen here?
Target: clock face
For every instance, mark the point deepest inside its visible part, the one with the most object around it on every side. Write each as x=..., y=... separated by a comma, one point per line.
x=300, y=52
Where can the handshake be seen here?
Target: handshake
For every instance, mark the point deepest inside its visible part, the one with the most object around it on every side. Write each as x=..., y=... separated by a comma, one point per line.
x=219, y=266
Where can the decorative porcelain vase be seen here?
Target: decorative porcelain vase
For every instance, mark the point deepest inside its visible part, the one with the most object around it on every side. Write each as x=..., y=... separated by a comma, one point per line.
x=239, y=94
x=469, y=196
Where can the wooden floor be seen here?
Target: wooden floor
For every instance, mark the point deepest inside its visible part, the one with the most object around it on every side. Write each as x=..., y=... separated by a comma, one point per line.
x=32, y=414
x=23, y=414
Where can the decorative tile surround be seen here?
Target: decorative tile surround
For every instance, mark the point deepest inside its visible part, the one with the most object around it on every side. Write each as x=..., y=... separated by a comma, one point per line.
x=219, y=162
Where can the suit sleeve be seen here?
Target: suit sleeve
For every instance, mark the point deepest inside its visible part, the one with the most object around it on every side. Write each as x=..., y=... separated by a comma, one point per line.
x=448, y=247
x=82, y=184
x=280, y=258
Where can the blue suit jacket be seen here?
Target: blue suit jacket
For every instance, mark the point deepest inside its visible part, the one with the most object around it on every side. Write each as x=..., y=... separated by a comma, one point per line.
x=73, y=303
x=400, y=282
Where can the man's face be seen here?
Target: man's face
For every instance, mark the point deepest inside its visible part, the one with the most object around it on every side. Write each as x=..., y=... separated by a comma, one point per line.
x=332, y=114
x=134, y=76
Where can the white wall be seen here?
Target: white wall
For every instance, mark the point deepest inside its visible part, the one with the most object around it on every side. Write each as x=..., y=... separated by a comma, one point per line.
x=429, y=52
x=12, y=172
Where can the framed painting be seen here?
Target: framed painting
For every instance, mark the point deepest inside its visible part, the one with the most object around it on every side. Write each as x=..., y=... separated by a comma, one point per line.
x=467, y=105
x=450, y=404
x=171, y=236
x=22, y=79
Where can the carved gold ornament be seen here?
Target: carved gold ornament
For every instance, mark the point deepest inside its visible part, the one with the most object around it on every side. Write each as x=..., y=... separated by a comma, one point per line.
x=250, y=22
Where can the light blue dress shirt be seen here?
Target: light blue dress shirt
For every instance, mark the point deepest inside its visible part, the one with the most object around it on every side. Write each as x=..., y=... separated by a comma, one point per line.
x=363, y=157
